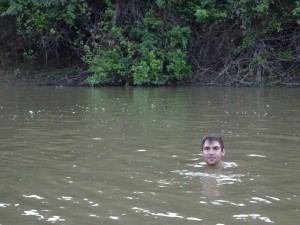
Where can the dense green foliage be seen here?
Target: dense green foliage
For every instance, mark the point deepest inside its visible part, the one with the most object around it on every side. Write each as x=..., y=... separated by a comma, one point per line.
x=51, y=28
x=160, y=42
x=151, y=51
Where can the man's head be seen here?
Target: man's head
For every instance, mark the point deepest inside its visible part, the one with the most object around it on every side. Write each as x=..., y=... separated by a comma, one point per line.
x=212, y=138
x=212, y=147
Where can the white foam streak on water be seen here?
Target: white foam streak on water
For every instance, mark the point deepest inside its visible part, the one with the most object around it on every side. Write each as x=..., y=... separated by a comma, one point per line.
x=219, y=202
x=33, y=196
x=255, y=155
x=114, y=217
x=193, y=218
x=54, y=219
x=97, y=139
x=167, y=214
x=252, y=216
x=261, y=200
x=220, y=178
x=203, y=164
x=67, y=198
x=94, y=205
x=274, y=198
x=4, y=205
x=33, y=212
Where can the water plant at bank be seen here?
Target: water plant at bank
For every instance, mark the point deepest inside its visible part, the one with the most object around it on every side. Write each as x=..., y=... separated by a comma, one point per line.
x=245, y=42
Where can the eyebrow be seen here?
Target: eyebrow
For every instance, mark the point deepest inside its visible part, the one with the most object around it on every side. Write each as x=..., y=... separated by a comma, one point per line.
x=214, y=147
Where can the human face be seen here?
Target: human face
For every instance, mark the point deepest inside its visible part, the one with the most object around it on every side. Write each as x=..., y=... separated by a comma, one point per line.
x=212, y=152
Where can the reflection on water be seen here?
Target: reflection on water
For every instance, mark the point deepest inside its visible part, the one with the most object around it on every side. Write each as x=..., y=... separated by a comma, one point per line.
x=131, y=156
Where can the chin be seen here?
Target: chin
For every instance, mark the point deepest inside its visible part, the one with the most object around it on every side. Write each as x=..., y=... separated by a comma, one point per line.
x=213, y=163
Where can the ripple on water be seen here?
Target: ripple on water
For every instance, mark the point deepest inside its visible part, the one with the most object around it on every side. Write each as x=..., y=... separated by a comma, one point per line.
x=219, y=178
x=203, y=164
x=147, y=212
x=252, y=216
x=221, y=202
x=255, y=155
x=36, y=213
x=4, y=205
x=33, y=196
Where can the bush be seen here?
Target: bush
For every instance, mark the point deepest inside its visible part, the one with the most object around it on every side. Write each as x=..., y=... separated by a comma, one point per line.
x=51, y=28
x=161, y=42
x=149, y=52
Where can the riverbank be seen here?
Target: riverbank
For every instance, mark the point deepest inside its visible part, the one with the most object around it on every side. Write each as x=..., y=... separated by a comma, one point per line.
x=43, y=77
x=74, y=76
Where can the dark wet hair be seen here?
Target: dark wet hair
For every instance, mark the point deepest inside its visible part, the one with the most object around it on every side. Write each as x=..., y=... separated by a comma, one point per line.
x=211, y=138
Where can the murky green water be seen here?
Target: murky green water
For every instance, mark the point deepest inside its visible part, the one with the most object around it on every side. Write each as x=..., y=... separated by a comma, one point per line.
x=131, y=156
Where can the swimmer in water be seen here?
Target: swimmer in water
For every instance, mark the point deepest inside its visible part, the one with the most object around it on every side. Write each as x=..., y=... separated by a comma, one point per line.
x=212, y=148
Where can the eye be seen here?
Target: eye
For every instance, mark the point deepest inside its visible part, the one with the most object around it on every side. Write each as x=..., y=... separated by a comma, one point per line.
x=216, y=148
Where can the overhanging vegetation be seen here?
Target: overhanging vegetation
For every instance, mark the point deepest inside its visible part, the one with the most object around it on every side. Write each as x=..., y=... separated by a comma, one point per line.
x=246, y=42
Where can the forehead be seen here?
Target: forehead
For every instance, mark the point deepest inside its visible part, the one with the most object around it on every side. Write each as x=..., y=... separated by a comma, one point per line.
x=211, y=143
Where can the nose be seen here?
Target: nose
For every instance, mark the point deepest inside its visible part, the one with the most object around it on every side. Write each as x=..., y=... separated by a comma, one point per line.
x=211, y=152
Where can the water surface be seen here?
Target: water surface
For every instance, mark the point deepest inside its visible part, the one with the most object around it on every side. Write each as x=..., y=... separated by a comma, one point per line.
x=131, y=155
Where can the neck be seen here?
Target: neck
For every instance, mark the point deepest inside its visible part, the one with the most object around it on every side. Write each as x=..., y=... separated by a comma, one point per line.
x=219, y=165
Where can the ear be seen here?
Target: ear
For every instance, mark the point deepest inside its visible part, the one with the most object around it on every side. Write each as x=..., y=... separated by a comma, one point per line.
x=223, y=151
